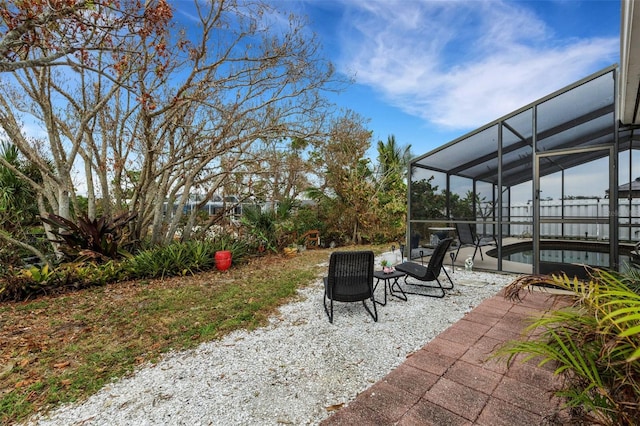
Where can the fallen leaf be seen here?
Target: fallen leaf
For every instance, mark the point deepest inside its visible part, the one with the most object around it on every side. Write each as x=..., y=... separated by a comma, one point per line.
x=334, y=407
x=62, y=364
x=25, y=383
x=65, y=382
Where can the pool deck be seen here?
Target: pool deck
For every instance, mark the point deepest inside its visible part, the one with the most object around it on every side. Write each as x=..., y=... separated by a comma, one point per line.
x=453, y=381
x=485, y=262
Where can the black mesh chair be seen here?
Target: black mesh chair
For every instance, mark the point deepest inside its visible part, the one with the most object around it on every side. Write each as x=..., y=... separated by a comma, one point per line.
x=430, y=272
x=467, y=238
x=350, y=279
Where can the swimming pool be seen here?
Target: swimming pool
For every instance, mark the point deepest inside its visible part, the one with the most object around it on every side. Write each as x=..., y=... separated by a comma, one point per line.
x=560, y=255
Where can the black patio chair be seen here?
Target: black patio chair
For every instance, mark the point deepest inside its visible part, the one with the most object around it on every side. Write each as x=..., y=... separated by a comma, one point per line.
x=467, y=237
x=430, y=272
x=350, y=279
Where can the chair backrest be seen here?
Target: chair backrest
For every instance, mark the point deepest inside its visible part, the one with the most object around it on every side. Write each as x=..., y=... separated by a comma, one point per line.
x=437, y=258
x=312, y=239
x=465, y=233
x=351, y=274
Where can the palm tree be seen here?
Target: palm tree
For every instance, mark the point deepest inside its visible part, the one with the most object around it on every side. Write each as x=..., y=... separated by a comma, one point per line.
x=393, y=160
x=17, y=200
x=18, y=204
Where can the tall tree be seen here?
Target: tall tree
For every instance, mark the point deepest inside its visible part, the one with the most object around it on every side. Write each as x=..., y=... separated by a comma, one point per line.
x=174, y=114
x=393, y=162
x=38, y=33
x=348, y=192
x=280, y=170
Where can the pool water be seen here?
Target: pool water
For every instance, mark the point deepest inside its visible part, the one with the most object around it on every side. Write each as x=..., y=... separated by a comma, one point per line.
x=568, y=252
x=564, y=256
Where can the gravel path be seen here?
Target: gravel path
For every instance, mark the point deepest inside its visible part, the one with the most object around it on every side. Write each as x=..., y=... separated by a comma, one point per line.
x=289, y=372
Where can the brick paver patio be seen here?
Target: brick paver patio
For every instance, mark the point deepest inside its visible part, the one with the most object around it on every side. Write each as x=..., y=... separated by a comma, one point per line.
x=451, y=381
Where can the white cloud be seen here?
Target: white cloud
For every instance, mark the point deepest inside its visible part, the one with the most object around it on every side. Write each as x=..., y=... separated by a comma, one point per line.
x=462, y=64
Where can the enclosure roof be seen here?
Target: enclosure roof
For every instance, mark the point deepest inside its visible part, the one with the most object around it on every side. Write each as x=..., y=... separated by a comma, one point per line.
x=630, y=63
x=581, y=115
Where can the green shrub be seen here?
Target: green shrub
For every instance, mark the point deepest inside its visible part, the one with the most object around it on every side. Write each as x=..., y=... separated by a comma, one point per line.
x=201, y=255
x=238, y=248
x=272, y=228
x=24, y=284
x=306, y=219
x=36, y=281
x=96, y=239
x=175, y=259
x=595, y=344
x=89, y=274
x=181, y=258
x=151, y=263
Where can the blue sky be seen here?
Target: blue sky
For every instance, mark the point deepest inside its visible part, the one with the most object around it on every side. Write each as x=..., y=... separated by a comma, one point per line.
x=430, y=71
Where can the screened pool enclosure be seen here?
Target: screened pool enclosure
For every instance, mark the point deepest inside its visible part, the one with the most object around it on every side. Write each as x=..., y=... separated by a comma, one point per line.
x=549, y=172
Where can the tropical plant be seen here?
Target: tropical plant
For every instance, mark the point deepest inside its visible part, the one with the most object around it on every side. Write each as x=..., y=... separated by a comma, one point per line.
x=180, y=258
x=38, y=274
x=594, y=344
x=161, y=261
x=271, y=227
x=89, y=274
x=97, y=239
x=260, y=226
x=393, y=161
x=18, y=204
x=22, y=284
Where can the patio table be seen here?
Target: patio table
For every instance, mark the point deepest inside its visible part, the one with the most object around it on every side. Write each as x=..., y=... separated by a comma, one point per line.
x=390, y=280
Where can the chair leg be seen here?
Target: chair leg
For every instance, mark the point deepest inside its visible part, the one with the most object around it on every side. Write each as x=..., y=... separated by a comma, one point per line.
x=324, y=302
x=439, y=287
x=478, y=249
x=459, y=247
x=373, y=314
x=441, y=290
x=329, y=311
x=450, y=280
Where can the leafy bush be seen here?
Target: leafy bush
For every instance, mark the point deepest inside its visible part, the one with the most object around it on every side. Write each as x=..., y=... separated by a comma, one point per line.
x=89, y=274
x=157, y=262
x=97, y=239
x=26, y=283
x=38, y=274
x=306, y=218
x=595, y=344
x=273, y=228
x=174, y=259
x=181, y=258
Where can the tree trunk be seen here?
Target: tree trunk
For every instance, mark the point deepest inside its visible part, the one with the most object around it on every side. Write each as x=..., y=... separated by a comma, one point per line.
x=91, y=195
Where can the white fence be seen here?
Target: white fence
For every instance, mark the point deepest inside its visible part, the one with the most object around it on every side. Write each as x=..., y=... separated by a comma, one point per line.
x=595, y=210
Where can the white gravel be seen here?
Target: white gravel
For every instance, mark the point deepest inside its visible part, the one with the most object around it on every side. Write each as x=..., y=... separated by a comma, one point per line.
x=288, y=372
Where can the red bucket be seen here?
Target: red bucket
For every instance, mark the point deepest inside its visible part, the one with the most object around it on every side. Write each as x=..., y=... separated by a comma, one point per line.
x=223, y=260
